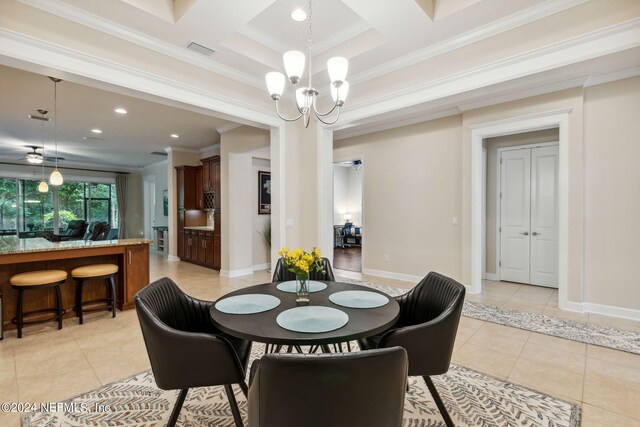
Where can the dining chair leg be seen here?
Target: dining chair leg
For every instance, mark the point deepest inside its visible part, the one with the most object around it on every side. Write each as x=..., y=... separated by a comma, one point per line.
x=234, y=405
x=178, y=406
x=245, y=388
x=298, y=348
x=325, y=348
x=438, y=400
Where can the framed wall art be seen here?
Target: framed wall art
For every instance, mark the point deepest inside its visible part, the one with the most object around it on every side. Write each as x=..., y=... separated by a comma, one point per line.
x=264, y=192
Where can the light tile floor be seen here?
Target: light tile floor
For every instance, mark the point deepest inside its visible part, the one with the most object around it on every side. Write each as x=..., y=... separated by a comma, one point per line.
x=48, y=365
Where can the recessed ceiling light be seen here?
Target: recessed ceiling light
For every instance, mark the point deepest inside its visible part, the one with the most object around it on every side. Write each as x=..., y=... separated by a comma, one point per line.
x=120, y=111
x=96, y=131
x=175, y=135
x=298, y=15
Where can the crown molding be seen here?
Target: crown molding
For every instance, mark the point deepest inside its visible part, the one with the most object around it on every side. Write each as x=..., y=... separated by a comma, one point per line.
x=173, y=149
x=228, y=127
x=611, y=77
x=494, y=28
x=153, y=165
x=212, y=150
x=597, y=43
x=392, y=124
x=82, y=17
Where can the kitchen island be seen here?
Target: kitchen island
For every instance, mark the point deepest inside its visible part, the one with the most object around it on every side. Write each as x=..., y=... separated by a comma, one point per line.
x=23, y=255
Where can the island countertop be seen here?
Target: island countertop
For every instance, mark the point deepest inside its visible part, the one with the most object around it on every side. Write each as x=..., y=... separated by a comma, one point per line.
x=22, y=255
x=15, y=245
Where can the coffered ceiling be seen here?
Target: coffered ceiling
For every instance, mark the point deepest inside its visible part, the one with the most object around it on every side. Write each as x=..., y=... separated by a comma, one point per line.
x=409, y=60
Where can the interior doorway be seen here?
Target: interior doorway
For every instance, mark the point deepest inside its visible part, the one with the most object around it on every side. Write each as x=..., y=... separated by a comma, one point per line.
x=522, y=208
x=149, y=200
x=347, y=214
x=529, y=215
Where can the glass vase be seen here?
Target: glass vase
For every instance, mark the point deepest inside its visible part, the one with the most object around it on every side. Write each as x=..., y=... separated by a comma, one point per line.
x=302, y=289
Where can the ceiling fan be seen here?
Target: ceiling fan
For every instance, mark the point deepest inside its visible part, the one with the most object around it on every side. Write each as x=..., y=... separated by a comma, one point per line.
x=356, y=164
x=36, y=158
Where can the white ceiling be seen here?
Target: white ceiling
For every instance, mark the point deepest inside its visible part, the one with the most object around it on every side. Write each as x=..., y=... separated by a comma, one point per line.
x=378, y=37
x=145, y=128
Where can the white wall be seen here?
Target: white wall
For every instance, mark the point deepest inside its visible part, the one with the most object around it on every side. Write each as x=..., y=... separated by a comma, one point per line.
x=237, y=148
x=347, y=194
x=261, y=250
x=159, y=174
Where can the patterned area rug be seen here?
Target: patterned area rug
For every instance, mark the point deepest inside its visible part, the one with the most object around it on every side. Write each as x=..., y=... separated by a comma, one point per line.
x=587, y=333
x=472, y=399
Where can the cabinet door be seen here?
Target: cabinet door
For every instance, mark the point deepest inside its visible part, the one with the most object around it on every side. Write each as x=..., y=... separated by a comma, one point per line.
x=215, y=177
x=136, y=273
x=190, y=201
x=202, y=250
x=209, y=251
x=199, y=195
x=206, y=175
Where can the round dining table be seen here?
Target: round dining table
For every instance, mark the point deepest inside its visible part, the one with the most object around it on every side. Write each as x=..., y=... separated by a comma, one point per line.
x=263, y=327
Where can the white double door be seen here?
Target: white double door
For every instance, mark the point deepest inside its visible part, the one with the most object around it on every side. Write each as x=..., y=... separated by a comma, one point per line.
x=529, y=216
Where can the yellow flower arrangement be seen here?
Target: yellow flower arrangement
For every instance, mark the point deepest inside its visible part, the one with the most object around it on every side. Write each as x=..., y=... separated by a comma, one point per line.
x=300, y=262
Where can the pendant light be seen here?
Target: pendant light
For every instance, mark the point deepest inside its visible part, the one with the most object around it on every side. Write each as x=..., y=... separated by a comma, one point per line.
x=56, y=177
x=43, y=187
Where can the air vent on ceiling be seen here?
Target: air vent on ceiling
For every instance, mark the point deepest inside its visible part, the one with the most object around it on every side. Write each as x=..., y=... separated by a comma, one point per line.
x=92, y=139
x=200, y=49
x=159, y=153
x=44, y=119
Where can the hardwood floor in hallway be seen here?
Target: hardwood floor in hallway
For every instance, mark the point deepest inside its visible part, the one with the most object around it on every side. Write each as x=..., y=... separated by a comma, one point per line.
x=348, y=259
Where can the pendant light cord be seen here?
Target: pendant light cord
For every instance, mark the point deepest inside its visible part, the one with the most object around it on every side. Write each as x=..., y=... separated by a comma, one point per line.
x=55, y=118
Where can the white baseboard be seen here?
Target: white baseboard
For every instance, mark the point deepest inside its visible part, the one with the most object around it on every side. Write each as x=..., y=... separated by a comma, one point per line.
x=571, y=306
x=610, y=310
x=236, y=273
x=491, y=276
x=261, y=267
x=392, y=275
x=173, y=258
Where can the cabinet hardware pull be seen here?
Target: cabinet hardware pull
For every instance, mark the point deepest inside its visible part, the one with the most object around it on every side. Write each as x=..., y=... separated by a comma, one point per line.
x=129, y=257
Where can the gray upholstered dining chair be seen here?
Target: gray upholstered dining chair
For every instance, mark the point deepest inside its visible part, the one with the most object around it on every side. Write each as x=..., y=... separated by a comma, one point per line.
x=426, y=328
x=185, y=348
x=320, y=390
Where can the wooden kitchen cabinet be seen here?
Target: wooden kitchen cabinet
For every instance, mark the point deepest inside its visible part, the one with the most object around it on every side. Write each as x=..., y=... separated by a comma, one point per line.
x=136, y=271
x=186, y=187
x=198, y=187
x=206, y=175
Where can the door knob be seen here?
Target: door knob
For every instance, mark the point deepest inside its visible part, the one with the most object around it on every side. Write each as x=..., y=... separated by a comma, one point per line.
x=526, y=233
x=536, y=234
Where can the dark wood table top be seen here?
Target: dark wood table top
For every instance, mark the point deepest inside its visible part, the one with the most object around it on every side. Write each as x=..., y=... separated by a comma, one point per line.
x=262, y=327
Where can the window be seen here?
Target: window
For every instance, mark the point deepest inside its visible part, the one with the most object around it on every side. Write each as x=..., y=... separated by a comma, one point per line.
x=34, y=211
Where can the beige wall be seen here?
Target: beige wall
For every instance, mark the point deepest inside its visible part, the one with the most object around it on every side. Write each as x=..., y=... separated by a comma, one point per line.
x=411, y=186
x=492, y=145
x=612, y=194
x=159, y=174
x=417, y=177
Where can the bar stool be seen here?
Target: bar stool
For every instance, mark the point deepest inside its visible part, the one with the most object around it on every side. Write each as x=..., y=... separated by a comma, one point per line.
x=95, y=272
x=37, y=280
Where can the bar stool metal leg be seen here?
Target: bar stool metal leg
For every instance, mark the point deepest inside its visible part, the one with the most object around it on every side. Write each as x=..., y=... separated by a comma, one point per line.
x=59, y=306
x=112, y=296
x=19, y=313
x=79, y=282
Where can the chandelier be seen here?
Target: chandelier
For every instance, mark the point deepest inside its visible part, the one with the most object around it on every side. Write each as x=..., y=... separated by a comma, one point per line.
x=294, y=62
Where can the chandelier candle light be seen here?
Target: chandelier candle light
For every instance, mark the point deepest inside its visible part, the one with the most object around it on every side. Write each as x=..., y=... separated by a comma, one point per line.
x=56, y=177
x=306, y=96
